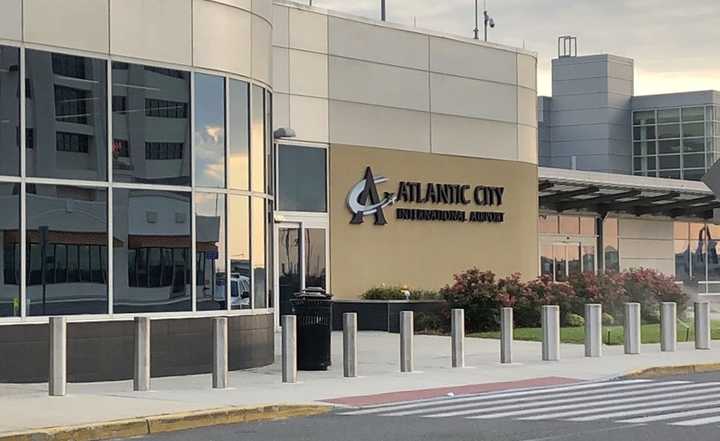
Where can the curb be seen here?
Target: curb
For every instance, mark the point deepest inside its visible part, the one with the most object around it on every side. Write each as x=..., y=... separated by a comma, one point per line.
x=167, y=423
x=666, y=371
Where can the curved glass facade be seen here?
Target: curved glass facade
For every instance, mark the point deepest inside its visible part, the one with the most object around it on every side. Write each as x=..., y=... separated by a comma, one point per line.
x=127, y=188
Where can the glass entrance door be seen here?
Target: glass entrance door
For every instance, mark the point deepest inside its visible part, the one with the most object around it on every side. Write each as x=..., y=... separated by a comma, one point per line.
x=288, y=265
x=560, y=260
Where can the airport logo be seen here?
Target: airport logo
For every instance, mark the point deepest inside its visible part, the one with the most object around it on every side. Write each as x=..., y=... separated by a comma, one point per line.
x=363, y=199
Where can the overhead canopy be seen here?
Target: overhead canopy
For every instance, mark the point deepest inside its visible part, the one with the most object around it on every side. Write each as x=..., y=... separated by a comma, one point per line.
x=602, y=193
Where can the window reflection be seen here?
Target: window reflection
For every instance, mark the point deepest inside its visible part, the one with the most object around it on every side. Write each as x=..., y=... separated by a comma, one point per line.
x=66, y=250
x=10, y=238
x=66, y=116
x=209, y=146
x=315, y=260
x=151, y=124
x=152, y=245
x=257, y=139
x=239, y=167
x=10, y=111
x=210, y=251
x=259, y=276
x=288, y=266
x=239, y=251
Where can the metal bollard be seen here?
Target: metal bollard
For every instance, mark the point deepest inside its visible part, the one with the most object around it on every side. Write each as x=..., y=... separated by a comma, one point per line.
x=350, y=349
x=289, y=349
x=406, y=341
x=506, y=335
x=632, y=328
x=458, y=338
x=551, y=333
x=668, y=327
x=141, y=377
x=702, y=325
x=57, y=378
x=593, y=330
x=220, y=353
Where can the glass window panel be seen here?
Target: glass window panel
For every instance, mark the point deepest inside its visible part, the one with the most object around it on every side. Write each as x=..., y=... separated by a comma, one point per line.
x=672, y=146
x=694, y=161
x=151, y=125
x=693, y=145
x=588, y=259
x=71, y=220
x=670, y=174
x=669, y=161
x=548, y=224
x=289, y=266
x=258, y=243
x=257, y=139
x=587, y=226
x=152, y=243
x=638, y=164
x=239, y=119
x=302, y=179
x=668, y=115
x=210, y=245
x=681, y=230
x=668, y=131
x=641, y=148
x=66, y=113
x=651, y=162
x=10, y=239
x=643, y=133
x=239, y=250
x=10, y=111
x=693, y=114
x=569, y=225
x=610, y=243
x=644, y=117
x=693, y=175
x=693, y=129
x=682, y=260
x=698, y=257
x=573, y=259
x=209, y=146
x=269, y=155
x=315, y=258
x=560, y=256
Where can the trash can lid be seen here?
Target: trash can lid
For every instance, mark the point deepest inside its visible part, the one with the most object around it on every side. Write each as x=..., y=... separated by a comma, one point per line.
x=313, y=292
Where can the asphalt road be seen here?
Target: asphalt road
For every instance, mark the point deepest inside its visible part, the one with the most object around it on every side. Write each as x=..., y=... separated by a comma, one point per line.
x=672, y=409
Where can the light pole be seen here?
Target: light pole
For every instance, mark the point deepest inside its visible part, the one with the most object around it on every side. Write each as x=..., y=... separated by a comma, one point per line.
x=382, y=10
x=476, y=30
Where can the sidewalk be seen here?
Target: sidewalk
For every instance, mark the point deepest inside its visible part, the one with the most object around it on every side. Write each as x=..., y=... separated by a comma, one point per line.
x=25, y=407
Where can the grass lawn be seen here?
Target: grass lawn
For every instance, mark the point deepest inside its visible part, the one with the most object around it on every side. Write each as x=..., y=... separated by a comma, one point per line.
x=612, y=335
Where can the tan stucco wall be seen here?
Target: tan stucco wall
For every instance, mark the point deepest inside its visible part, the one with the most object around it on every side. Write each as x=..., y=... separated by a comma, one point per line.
x=426, y=254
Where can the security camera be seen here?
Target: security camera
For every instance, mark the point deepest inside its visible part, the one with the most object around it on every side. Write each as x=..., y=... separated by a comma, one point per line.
x=491, y=22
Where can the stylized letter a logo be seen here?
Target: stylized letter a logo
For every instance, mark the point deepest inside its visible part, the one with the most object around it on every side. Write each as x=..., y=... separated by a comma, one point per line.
x=363, y=199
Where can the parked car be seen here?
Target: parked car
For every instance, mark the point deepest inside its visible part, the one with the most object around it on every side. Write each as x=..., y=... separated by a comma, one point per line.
x=239, y=291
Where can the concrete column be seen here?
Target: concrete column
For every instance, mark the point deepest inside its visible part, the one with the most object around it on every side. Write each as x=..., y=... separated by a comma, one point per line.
x=458, y=338
x=668, y=326
x=350, y=349
x=57, y=378
x=289, y=349
x=551, y=333
x=593, y=330
x=141, y=379
x=220, y=353
x=506, y=335
x=632, y=328
x=406, y=341
x=702, y=325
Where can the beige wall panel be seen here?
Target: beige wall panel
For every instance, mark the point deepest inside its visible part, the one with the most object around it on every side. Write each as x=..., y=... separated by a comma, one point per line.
x=368, y=42
x=263, y=8
x=646, y=249
x=426, y=254
x=308, y=73
x=281, y=69
x=646, y=229
x=527, y=144
x=261, y=50
x=474, y=137
x=473, y=98
x=308, y=31
x=309, y=118
x=77, y=24
x=664, y=266
x=527, y=71
x=11, y=19
x=222, y=37
x=165, y=23
x=372, y=126
x=281, y=110
x=527, y=107
x=370, y=83
x=281, y=17
x=472, y=60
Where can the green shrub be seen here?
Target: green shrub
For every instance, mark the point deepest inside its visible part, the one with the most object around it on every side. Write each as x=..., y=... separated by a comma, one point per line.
x=649, y=288
x=478, y=294
x=607, y=319
x=384, y=292
x=574, y=320
x=430, y=323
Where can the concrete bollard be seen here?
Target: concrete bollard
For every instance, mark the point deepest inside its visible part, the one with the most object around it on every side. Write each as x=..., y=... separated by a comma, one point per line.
x=458, y=338
x=506, y=335
x=141, y=377
x=593, y=330
x=668, y=327
x=551, y=333
x=702, y=325
x=57, y=378
x=220, y=353
x=632, y=328
x=350, y=349
x=406, y=341
x=289, y=349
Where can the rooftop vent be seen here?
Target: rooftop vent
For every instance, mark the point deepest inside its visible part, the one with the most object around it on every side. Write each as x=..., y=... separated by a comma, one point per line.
x=567, y=46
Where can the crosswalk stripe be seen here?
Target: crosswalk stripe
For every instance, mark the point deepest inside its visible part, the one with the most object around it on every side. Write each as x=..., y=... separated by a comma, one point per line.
x=494, y=395
x=698, y=422
x=668, y=393
x=676, y=415
x=602, y=413
x=532, y=406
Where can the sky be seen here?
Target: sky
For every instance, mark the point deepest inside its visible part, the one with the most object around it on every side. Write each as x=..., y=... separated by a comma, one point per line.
x=675, y=43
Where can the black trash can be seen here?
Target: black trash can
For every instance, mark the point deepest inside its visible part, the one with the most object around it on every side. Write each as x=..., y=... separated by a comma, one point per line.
x=313, y=310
